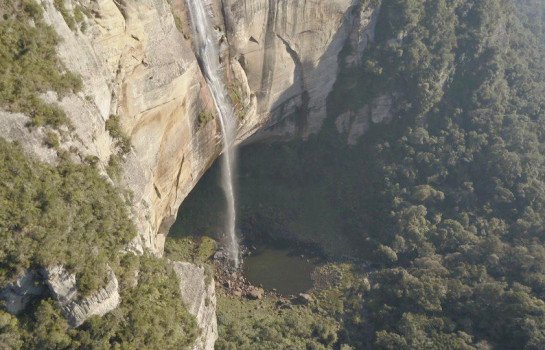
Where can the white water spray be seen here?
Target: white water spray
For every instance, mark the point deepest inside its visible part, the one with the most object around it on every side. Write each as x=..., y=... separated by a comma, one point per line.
x=208, y=51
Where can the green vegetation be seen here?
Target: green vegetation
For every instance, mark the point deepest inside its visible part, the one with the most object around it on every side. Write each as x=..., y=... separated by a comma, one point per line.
x=266, y=325
x=122, y=140
x=52, y=139
x=178, y=22
x=66, y=214
x=445, y=204
x=197, y=249
x=205, y=117
x=70, y=215
x=29, y=65
x=151, y=316
x=68, y=17
x=236, y=95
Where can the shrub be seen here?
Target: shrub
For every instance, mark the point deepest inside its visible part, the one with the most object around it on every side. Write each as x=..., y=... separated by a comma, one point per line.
x=29, y=66
x=67, y=215
x=51, y=139
x=123, y=142
x=205, y=117
x=68, y=18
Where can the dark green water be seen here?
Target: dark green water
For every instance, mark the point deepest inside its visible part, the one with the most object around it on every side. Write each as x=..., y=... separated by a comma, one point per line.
x=277, y=268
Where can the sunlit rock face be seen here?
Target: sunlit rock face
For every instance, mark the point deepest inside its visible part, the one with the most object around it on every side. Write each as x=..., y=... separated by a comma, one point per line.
x=282, y=56
x=289, y=51
x=199, y=295
x=76, y=308
x=135, y=63
x=61, y=286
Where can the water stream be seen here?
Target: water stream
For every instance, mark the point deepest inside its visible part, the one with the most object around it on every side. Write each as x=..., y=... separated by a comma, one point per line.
x=206, y=40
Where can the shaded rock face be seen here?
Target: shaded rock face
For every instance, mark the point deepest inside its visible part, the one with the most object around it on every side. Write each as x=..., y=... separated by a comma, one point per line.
x=199, y=295
x=18, y=294
x=289, y=51
x=62, y=286
x=354, y=124
x=362, y=33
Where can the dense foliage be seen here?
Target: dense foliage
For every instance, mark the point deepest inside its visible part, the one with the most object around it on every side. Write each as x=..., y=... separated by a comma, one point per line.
x=29, y=65
x=68, y=214
x=65, y=214
x=151, y=316
x=447, y=203
x=263, y=325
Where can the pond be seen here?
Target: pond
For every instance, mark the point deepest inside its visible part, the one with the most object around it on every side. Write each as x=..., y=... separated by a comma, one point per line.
x=280, y=269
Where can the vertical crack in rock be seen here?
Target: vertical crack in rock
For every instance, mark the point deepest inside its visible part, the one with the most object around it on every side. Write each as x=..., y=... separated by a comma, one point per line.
x=269, y=58
x=157, y=192
x=301, y=117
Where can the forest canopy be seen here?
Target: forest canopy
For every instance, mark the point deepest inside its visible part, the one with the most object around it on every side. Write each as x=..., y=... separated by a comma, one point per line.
x=446, y=204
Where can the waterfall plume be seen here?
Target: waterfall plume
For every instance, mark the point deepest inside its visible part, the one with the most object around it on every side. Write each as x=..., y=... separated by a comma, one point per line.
x=208, y=54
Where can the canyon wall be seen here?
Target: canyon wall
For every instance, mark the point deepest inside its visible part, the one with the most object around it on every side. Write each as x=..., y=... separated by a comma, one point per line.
x=289, y=51
x=136, y=61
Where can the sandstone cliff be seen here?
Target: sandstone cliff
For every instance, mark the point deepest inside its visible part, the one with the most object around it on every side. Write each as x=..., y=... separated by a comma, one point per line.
x=281, y=56
x=198, y=292
x=135, y=63
x=289, y=51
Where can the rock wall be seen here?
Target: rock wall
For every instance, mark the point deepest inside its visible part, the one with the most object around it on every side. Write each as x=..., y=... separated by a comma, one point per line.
x=60, y=284
x=289, y=50
x=199, y=295
x=134, y=62
x=76, y=309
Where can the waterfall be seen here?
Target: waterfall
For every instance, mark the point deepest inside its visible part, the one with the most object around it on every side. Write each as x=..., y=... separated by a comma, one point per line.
x=206, y=41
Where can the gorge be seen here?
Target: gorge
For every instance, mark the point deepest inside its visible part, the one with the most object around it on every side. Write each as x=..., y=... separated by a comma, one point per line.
x=395, y=146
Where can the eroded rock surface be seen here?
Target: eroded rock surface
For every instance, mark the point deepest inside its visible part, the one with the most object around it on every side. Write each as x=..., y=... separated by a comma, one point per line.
x=62, y=286
x=18, y=294
x=289, y=51
x=354, y=124
x=199, y=296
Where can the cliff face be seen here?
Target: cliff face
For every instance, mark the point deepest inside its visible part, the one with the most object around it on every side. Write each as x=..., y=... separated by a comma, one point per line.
x=289, y=51
x=281, y=55
x=198, y=292
x=134, y=62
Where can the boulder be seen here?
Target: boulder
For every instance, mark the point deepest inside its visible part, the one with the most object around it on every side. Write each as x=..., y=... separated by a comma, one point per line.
x=18, y=294
x=255, y=293
x=303, y=299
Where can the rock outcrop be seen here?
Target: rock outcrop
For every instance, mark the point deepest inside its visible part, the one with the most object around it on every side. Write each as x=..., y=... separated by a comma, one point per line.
x=362, y=33
x=18, y=294
x=198, y=293
x=63, y=289
x=61, y=285
x=354, y=124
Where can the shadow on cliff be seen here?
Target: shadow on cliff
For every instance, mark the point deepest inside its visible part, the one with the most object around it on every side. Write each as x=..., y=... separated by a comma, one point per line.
x=292, y=111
